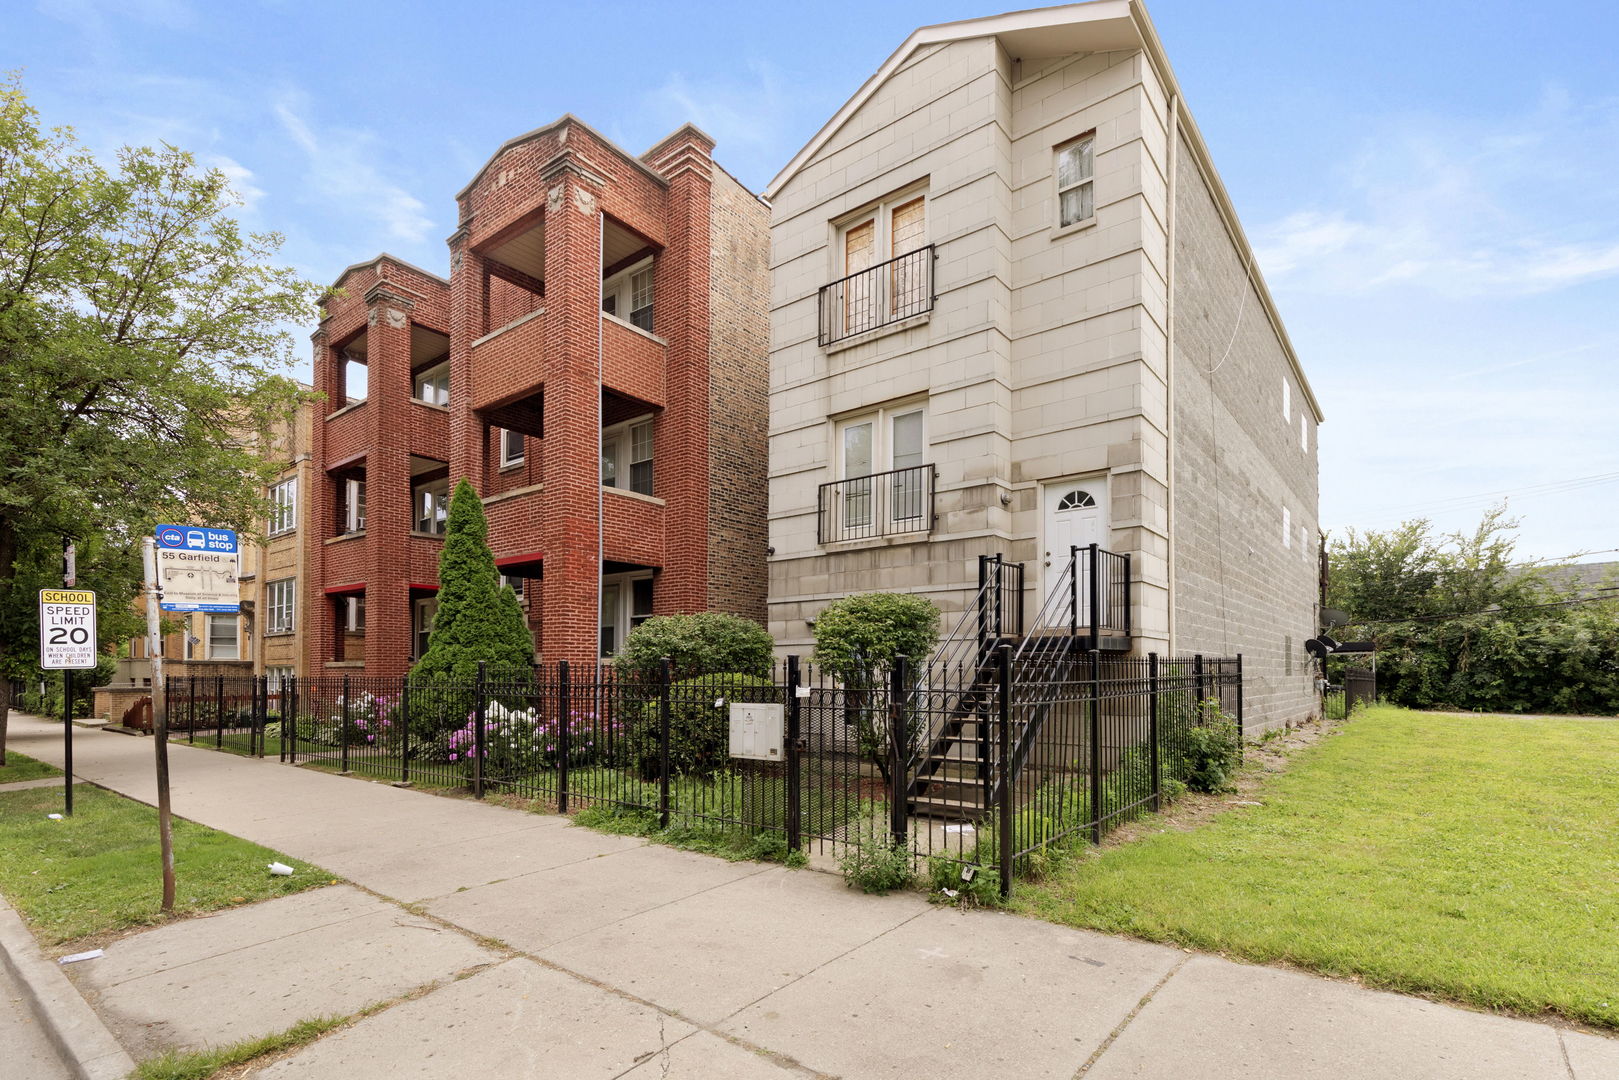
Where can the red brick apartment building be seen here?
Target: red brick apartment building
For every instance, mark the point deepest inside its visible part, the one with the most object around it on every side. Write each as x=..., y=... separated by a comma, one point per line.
x=596, y=365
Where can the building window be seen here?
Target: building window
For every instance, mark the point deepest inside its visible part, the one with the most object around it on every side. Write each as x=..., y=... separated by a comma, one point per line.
x=280, y=606
x=1304, y=432
x=275, y=678
x=223, y=643
x=1287, y=527
x=433, y=385
x=1287, y=400
x=283, y=507
x=626, y=604
x=516, y=584
x=1076, y=167
x=890, y=443
x=627, y=295
x=511, y=447
x=885, y=234
x=431, y=503
x=422, y=613
x=627, y=456
x=353, y=508
x=354, y=613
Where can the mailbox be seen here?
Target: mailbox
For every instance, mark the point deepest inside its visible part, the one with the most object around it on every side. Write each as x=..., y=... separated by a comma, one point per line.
x=758, y=731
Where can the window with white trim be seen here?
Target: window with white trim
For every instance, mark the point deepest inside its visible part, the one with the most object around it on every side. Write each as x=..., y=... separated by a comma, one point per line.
x=516, y=584
x=276, y=678
x=511, y=447
x=1304, y=431
x=354, y=613
x=627, y=295
x=224, y=641
x=280, y=606
x=353, y=508
x=1076, y=192
x=430, y=503
x=283, y=507
x=433, y=384
x=422, y=611
x=890, y=440
x=893, y=228
x=626, y=604
x=627, y=456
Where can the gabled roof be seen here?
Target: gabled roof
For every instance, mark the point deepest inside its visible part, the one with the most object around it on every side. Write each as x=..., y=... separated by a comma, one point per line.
x=373, y=261
x=1097, y=26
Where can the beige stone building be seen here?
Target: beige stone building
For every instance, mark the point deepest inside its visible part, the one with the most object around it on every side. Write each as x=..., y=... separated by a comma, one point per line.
x=1013, y=312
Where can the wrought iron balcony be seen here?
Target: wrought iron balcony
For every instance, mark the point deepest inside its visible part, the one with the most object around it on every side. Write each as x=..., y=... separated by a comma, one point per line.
x=882, y=504
x=877, y=296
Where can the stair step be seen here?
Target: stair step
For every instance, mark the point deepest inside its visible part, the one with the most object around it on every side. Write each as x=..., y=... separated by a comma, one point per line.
x=952, y=809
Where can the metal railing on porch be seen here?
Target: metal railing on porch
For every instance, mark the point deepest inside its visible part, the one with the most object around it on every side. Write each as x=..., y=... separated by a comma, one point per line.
x=878, y=296
x=881, y=504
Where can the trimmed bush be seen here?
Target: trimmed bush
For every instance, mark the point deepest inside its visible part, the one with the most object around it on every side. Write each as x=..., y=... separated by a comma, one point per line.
x=868, y=632
x=699, y=724
x=702, y=644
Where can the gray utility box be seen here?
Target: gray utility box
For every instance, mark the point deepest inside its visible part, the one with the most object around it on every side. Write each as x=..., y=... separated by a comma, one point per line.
x=758, y=731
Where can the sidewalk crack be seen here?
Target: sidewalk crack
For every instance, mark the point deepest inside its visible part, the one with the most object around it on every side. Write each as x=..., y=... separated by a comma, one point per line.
x=1146, y=999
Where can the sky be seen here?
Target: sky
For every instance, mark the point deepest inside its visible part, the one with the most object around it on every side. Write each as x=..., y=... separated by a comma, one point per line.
x=1429, y=187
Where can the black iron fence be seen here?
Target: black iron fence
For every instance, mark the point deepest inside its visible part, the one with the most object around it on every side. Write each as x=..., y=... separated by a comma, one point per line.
x=881, y=504
x=877, y=296
x=983, y=762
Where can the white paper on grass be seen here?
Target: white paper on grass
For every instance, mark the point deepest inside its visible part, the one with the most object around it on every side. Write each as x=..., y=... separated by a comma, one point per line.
x=76, y=957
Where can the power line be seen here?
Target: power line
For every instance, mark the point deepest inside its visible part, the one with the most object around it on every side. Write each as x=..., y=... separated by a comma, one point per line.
x=1492, y=611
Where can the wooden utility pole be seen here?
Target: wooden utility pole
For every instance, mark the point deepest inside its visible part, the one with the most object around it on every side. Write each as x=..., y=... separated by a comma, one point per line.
x=160, y=718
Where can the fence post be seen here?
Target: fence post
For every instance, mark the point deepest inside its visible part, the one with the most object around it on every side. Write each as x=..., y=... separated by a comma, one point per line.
x=1095, y=594
x=1127, y=593
x=898, y=773
x=1152, y=731
x=479, y=712
x=564, y=735
x=255, y=739
x=219, y=711
x=665, y=679
x=1073, y=591
x=983, y=600
x=1096, y=744
x=1202, y=688
x=191, y=711
x=794, y=726
x=1003, y=845
x=289, y=718
x=404, y=730
x=1240, y=734
x=343, y=732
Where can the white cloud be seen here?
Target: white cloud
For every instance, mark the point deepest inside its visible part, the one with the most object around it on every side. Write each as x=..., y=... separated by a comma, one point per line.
x=1463, y=210
x=341, y=169
x=241, y=179
x=747, y=111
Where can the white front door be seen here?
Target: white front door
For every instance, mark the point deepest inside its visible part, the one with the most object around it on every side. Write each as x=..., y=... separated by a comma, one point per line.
x=1075, y=516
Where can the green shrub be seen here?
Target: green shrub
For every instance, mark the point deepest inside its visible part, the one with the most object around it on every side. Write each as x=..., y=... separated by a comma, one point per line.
x=699, y=724
x=865, y=634
x=701, y=644
x=1210, y=754
x=946, y=884
x=875, y=864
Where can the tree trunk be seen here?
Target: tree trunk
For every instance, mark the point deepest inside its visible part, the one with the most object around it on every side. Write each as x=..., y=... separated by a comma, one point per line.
x=8, y=574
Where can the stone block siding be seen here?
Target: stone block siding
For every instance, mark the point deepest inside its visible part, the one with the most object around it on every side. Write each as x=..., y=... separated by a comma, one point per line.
x=1238, y=462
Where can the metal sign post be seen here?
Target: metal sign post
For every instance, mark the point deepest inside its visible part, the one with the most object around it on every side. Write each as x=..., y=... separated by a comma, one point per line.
x=160, y=718
x=67, y=643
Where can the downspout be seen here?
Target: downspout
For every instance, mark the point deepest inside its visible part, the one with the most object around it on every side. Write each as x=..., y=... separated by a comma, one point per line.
x=1169, y=364
x=601, y=540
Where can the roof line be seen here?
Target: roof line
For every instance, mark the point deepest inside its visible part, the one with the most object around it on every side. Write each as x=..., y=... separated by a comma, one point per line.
x=391, y=258
x=565, y=118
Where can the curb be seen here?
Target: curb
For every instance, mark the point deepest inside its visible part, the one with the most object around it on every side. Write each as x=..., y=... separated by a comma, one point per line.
x=86, y=1046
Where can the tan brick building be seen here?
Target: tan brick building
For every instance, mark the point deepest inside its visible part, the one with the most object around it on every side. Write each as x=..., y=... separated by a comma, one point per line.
x=594, y=364
x=1013, y=312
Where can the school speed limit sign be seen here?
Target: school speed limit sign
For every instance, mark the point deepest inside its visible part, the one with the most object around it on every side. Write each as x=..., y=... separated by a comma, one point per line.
x=67, y=629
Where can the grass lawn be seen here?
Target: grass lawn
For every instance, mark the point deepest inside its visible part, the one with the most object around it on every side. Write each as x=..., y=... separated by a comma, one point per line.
x=99, y=870
x=18, y=767
x=1470, y=857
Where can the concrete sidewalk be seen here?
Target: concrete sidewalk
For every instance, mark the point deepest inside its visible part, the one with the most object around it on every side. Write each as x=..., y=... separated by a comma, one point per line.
x=641, y=961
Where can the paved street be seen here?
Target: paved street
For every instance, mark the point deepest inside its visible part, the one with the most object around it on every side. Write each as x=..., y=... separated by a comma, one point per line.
x=602, y=956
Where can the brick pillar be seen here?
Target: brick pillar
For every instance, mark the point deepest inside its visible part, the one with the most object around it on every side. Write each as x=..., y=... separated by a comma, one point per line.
x=681, y=316
x=468, y=322
x=572, y=445
x=319, y=640
x=388, y=516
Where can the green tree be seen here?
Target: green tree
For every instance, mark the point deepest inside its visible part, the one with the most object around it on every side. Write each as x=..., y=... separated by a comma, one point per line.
x=857, y=640
x=141, y=333
x=701, y=644
x=478, y=619
x=1459, y=623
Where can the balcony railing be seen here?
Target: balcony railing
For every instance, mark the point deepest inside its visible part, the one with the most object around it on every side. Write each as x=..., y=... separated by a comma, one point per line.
x=886, y=293
x=883, y=504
